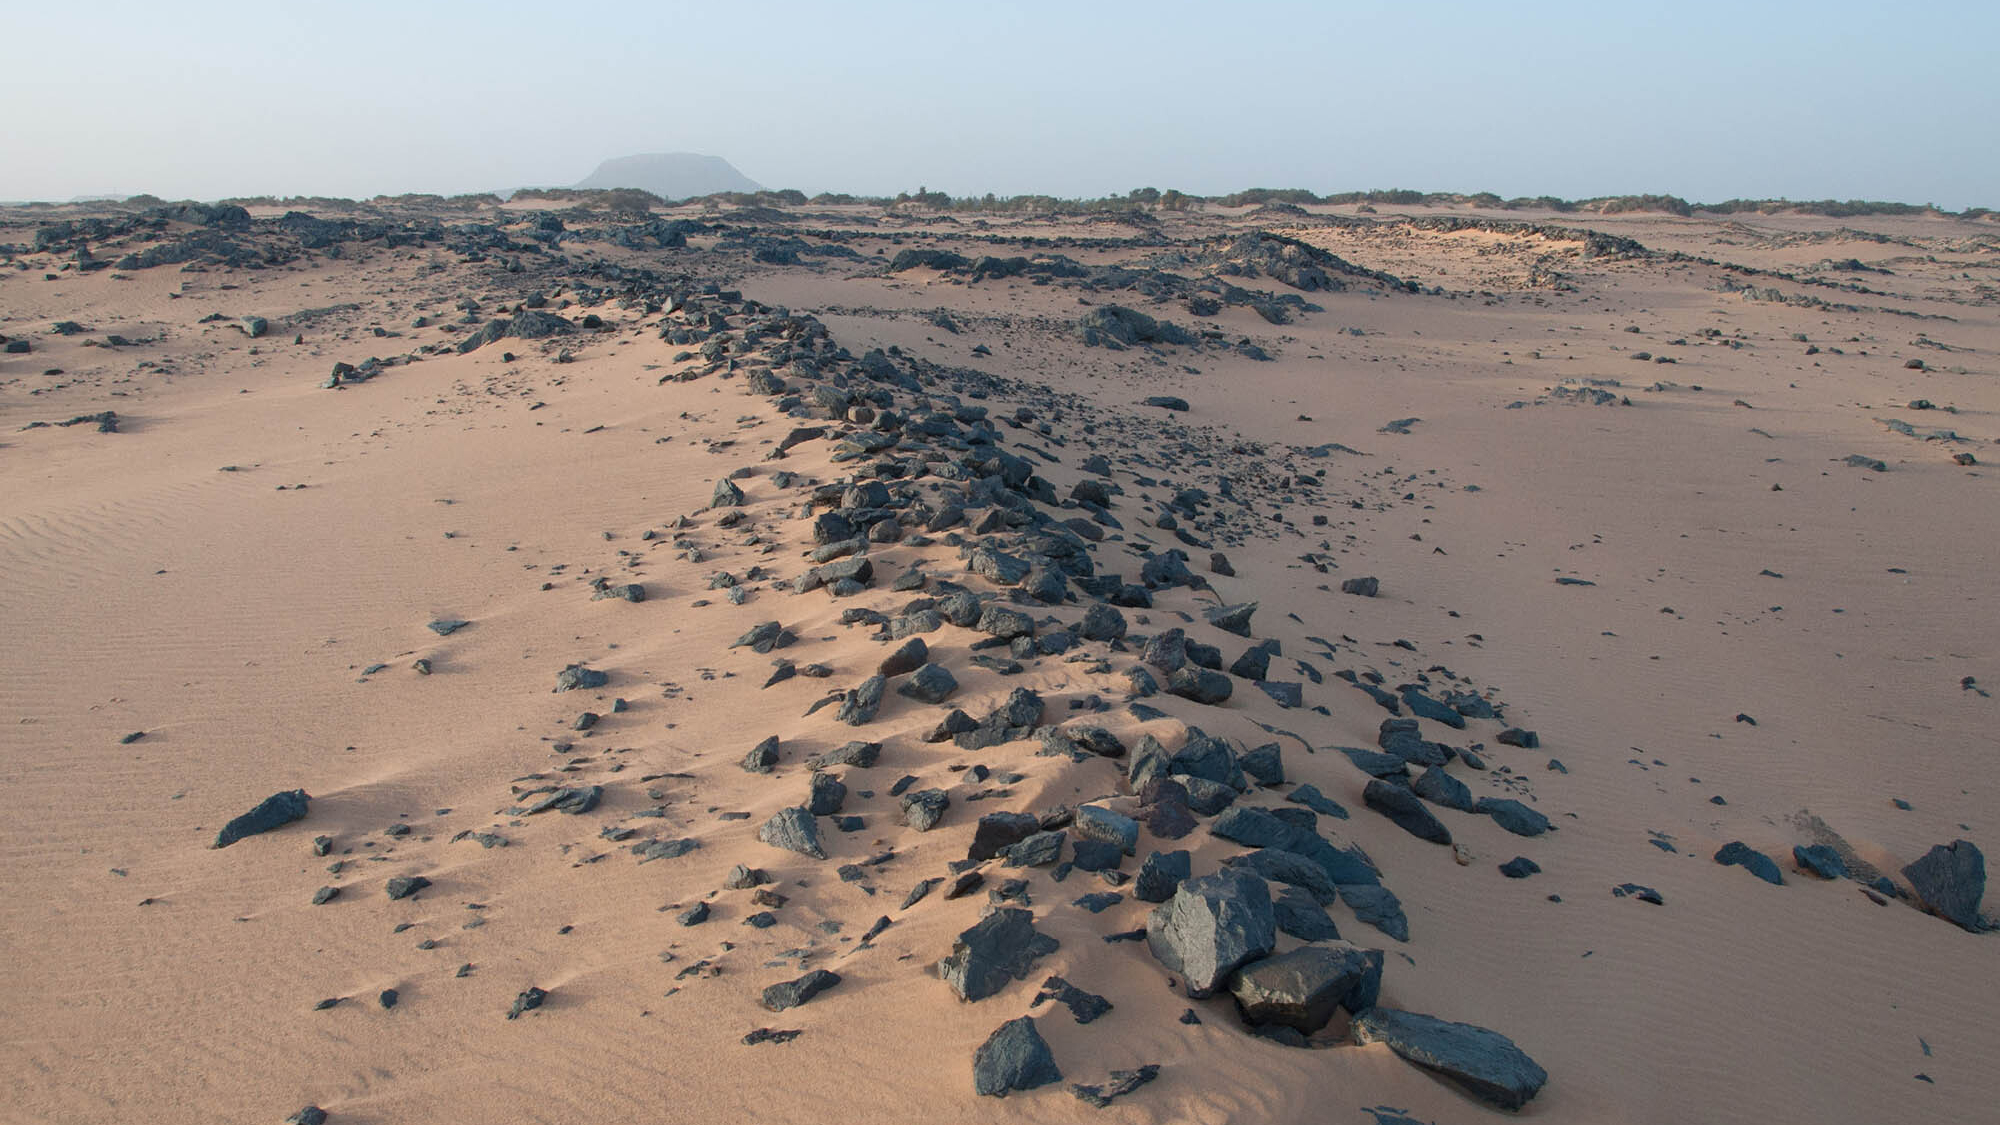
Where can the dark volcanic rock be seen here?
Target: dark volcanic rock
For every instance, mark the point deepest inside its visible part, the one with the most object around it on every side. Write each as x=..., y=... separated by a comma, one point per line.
x=1014, y=1057
x=860, y=705
x=1950, y=880
x=1002, y=946
x=1515, y=817
x=1740, y=854
x=1520, y=867
x=1402, y=806
x=1160, y=875
x=793, y=829
x=1365, y=587
x=792, y=993
x=1820, y=860
x=1000, y=830
x=1200, y=685
x=527, y=1002
x=1122, y=1083
x=578, y=678
x=910, y=657
x=1440, y=788
x=1301, y=989
x=924, y=808
x=1485, y=1063
x=1211, y=927
x=274, y=811
x=932, y=683
x=1231, y=618
x=403, y=886
x=1378, y=907
x=762, y=757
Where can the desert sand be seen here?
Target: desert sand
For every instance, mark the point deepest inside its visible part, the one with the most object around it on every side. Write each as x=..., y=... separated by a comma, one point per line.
x=1701, y=503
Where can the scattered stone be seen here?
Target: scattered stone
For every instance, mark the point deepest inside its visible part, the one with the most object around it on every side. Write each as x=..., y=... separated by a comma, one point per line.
x=1122, y=1082
x=527, y=1002
x=275, y=811
x=1014, y=1057
x=1364, y=587
x=1485, y=1063
x=1002, y=946
x=793, y=829
x=1514, y=816
x=1949, y=881
x=1085, y=1006
x=1520, y=867
x=1821, y=860
x=1404, y=809
x=792, y=993
x=403, y=886
x=1740, y=854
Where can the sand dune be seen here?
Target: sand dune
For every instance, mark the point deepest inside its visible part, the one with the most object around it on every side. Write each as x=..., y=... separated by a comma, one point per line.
x=1719, y=629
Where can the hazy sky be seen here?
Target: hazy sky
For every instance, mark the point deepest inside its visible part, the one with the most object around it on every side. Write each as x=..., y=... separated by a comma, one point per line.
x=355, y=98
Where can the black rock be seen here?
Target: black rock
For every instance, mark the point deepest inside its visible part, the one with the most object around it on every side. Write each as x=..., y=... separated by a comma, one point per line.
x=1378, y=907
x=1265, y=765
x=1014, y=1057
x=1002, y=946
x=1820, y=860
x=1000, y=830
x=1365, y=587
x=932, y=683
x=1122, y=1083
x=388, y=998
x=1515, y=736
x=1520, y=867
x=310, y=1115
x=1164, y=402
x=1440, y=788
x=825, y=795
x=1302, y=988
x=275, y=811
x=1101, y=622
x=1950, y=880
x=1231, y=618
x=1740, y=854
x=1485, y=1063
x=924, y=808
x=1200, y=685
x=1085, y=1006
x=1096, y=855
x=860, y=755
x=1514, y=816
x=859, y=706
x=793, y=829
x=762, y=757
x=1312, y=798
x=765, y=637
x=694, y=915
x=1042, y=849
x=1301, y=917
x=908, y=658
x=576, y=677
x=1161, y=875
x=1402, y=807
x=527, y=1002
x=1211, y=927
x=1277, y=865
x=403, y=886
x=792, y=993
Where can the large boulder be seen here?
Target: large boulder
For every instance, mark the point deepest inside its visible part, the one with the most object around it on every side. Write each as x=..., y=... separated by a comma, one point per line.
x=1485, y=1063
x=1014, y=1057
x=1301, y=989
x=1949, y=880
x=1000, y=947
x=1213, y=926
x=794, y=830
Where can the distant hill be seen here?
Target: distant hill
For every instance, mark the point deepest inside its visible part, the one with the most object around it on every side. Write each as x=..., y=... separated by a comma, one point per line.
x=670, y=175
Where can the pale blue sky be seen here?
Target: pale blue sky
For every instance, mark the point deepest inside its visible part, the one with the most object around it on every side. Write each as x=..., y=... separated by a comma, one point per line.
x=1703, y=100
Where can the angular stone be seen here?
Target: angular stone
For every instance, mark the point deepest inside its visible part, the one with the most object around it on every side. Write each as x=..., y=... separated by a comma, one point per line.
x=274, y=811
x=924, y=808
x=795, y=830
x=1740, y=854
x=1014, y=1057
x=1101, y=622
x=792, y=993
x=1094, y=822
x=1377, y=906
x=1365, y=587
x=1161, y=875
x=1485, y=1063
x=1302, y=988
x=932, y=683
x=1301, y=917
x=762, y=757
x=1408, y=813
x=1042, y=849
x=998, y=831
x=1211, y=927
x=1820, y=860
x=860, y=705
x=1000, y=947
x=1231, y=618
x=1950, y=880
x=907, y=658
x=1440, y=788
x=1518, y=818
